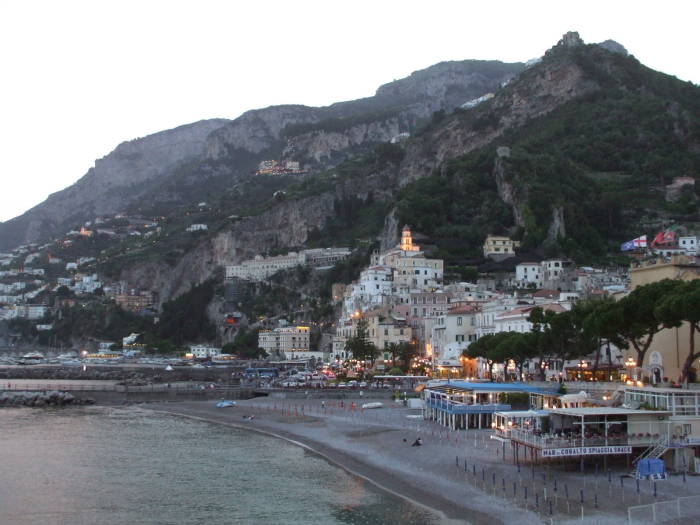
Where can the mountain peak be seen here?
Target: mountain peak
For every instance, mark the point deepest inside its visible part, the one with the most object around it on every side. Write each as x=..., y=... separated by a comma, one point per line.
x=570, y=39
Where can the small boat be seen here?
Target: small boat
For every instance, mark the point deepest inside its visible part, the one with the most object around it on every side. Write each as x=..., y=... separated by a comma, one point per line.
x=225, y=404
x=32, y=358
x=372, y=405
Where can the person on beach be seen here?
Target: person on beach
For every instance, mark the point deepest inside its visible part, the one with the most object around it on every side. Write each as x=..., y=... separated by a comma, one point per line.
x=417, y=443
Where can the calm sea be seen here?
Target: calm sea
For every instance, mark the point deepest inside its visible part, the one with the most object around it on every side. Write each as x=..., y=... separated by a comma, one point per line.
x=128, y=466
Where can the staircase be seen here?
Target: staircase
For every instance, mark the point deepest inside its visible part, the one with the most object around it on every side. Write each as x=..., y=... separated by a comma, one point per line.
x=655, y=451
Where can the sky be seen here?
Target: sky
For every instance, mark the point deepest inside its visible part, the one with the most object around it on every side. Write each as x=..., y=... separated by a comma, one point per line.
x=79, y=77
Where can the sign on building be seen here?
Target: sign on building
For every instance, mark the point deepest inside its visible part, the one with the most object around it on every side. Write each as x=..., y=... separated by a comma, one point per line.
x=586, y=451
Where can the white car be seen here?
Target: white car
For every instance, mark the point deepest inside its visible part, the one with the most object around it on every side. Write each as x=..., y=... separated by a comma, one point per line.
x=289, y=384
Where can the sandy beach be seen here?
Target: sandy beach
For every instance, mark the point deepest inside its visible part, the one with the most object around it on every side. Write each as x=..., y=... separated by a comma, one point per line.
x=462, y=475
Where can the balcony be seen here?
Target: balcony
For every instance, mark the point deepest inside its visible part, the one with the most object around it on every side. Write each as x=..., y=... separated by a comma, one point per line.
x=549, y=441
x=455, y=407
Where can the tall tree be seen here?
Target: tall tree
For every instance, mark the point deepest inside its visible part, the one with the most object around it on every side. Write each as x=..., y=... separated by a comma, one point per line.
x=604, y=320
x=360, y=346
x=638, y=318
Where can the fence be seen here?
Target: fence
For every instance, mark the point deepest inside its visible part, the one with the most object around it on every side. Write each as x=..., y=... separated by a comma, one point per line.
x=667, y=512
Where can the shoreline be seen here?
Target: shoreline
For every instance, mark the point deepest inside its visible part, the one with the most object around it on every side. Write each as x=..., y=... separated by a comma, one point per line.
x=330, y=458
x=416, y=479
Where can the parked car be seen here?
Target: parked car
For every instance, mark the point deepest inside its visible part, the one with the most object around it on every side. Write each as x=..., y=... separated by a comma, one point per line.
x=289, y=384
x=342, y=385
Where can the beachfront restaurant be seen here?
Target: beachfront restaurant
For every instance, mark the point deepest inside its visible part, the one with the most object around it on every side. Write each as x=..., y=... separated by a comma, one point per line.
x=463, y=404
x=684, y=426
x=585, y=431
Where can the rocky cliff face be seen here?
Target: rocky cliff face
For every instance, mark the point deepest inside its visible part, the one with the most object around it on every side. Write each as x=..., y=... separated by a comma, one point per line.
x=323, y=147
x=537, y=91
x=115, y=181
x=285, y=225
x=257, y=130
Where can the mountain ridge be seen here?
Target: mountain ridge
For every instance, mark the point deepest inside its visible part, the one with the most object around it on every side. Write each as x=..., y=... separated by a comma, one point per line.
x=235, y=146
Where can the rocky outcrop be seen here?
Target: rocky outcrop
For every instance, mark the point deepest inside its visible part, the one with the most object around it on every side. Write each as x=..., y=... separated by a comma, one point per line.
x=390, y=232
x=613, y=47
x=506, y=188
x=256, y=131
x=557, y=228
x=325, y=146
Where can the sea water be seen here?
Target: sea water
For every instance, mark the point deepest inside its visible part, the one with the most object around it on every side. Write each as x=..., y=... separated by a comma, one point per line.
x=128, y=466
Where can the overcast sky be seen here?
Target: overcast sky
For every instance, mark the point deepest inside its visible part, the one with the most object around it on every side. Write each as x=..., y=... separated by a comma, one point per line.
x=78, y=77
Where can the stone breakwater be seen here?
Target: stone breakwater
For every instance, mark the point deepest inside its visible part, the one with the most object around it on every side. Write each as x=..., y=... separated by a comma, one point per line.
x=41, y=399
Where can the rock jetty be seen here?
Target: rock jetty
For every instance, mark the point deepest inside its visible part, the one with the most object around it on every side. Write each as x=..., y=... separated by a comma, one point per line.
x=41, y=399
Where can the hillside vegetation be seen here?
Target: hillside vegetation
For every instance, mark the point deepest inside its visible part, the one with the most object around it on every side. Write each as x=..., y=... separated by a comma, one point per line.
x=604, y=158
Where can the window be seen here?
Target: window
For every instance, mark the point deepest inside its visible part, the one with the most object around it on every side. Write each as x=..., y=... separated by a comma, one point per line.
x=386, y=331
x=400, y=331
x=459, y=321
x=423, y=312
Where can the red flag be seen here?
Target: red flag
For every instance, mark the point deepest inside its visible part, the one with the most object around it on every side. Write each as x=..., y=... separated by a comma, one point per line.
x=664, y=237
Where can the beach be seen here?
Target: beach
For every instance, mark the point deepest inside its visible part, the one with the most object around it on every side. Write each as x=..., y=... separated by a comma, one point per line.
x=461, y=474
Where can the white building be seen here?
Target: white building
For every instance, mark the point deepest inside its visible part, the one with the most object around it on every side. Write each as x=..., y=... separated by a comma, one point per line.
x=528, y=274
x=290, y=341
x=486, y=317
x=452, y=333
x=325, y=257
x=689, y=244
x=204, y=352
x=261, y=267
x=515, y=320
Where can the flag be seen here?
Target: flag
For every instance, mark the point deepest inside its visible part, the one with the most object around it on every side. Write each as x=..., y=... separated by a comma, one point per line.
x=639, y=242
x=664, y=237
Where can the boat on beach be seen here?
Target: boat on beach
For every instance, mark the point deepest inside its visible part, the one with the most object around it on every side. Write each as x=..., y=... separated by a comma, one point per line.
x=32, y=358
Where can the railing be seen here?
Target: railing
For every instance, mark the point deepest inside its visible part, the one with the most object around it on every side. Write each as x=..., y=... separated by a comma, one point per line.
x=548, y=441
x=455, y=407
x=681, y=510
x=72, y=387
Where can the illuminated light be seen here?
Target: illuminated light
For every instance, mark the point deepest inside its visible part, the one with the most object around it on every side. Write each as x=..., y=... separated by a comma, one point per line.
x=640, y=383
